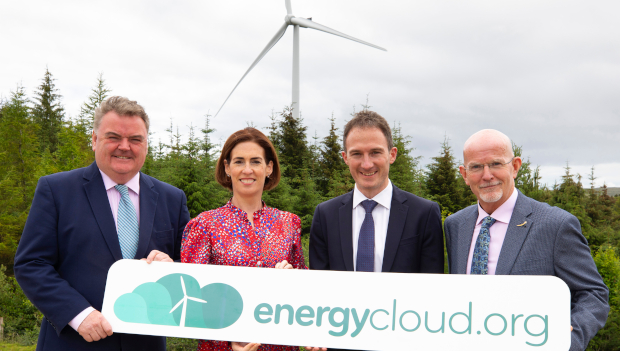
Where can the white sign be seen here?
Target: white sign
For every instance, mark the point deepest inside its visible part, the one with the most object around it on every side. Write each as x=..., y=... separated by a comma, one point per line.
x=355, y=310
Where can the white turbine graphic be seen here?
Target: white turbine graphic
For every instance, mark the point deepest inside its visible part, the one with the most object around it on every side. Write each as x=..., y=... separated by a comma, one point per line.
x=296, y=22
x=184, y=302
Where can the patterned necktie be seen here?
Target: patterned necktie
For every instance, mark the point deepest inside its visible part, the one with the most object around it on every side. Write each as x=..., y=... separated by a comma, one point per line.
x=480, y=260
x=366, y=240
x=127, y=223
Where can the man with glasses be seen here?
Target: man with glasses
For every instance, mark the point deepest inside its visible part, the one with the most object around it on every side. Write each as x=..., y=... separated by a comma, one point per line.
x=509, y=233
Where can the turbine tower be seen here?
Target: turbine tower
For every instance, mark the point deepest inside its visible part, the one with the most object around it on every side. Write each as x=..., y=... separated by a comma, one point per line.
x=184, y=303
x=296, y=22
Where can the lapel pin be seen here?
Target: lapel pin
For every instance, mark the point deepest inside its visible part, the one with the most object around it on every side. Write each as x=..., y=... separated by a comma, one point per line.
x=522, y=224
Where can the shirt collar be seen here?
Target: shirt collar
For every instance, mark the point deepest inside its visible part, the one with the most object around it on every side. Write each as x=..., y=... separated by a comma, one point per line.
x=504, y=212
x=133, y=183
x=384, y=198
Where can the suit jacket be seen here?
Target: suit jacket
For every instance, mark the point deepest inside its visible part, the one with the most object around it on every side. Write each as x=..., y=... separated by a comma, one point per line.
x=414, y=241
x=550, y=243
x=70, y=241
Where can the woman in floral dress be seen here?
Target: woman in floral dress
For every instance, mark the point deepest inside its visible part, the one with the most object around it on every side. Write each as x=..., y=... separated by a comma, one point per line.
x=245, y=231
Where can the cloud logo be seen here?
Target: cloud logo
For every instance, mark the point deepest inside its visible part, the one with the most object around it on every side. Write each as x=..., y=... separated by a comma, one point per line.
x=178, y=300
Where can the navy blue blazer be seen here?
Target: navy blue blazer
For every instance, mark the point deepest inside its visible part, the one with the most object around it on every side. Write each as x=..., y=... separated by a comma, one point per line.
x=70, y=241
x=541, y=240
x=414, y=241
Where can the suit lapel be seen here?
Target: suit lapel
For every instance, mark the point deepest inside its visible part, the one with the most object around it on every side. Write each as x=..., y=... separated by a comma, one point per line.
x=100, y=205
x=467, y=225
x=518, y=228
x=396, y=224
x=148, y=205
x=346, y=230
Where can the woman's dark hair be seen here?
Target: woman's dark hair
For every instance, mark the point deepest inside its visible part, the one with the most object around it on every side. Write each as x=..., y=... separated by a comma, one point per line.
x=241, y=136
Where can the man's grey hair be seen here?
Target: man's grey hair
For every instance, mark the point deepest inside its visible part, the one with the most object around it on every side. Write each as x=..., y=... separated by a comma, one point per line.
x=123, y=107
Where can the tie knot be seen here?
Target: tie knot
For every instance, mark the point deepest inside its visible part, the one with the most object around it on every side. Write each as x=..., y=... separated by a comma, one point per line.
x=487, y=222
x=369, y=205
x=122, y=188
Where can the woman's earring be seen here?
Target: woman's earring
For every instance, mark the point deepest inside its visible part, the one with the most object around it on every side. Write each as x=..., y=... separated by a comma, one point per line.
x=268, y=175
x=228, y=175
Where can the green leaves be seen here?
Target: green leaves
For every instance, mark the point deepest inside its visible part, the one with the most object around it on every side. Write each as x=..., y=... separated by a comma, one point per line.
x=21, y=318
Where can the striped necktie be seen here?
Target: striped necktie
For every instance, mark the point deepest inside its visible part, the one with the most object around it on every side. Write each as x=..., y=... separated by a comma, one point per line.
x=480, y=260
x=127, y=223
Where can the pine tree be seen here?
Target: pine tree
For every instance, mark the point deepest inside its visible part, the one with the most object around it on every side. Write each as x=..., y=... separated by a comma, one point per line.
x=592, y=178
x=86, y=117
x=293, y=146
x=331, y=163
x=441, y=182
x=608, y=265
x=314, y=160
x=528, y=179
x=73, y=150
x=207, y=147
x=189, y=166
x=404, y=172
x=282, y=196
x=274, y=131
x=568, y=194
x=192, y=175
x=19, y=159
x=340, y=183
x=48, y=113
x=307, y=199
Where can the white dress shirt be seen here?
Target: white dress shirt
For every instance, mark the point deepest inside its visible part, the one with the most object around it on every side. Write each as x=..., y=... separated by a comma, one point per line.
x=114, y=196
x=381, y=217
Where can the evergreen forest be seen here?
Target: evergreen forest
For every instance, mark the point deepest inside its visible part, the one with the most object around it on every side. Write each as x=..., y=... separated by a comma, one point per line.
x=37, y=138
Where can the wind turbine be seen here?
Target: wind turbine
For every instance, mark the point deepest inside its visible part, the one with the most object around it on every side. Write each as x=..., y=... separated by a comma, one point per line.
x=296, y=22
x=184, y=302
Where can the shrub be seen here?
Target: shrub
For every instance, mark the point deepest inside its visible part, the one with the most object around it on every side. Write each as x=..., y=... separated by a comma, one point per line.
x=21, y=319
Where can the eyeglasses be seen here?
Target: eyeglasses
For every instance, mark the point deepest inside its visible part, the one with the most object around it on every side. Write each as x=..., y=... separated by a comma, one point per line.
x=493, y=166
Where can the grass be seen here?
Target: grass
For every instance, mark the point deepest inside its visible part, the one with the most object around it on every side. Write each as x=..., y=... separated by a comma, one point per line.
x=173, y=344
x=180, y=344
x=16, y=347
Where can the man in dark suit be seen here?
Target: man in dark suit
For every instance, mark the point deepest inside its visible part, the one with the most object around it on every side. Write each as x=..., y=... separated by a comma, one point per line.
x=510, y=233
x=376, y=227
x=84, y=220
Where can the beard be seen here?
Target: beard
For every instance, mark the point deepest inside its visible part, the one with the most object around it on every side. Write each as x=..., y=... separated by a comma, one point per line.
x=493, y=196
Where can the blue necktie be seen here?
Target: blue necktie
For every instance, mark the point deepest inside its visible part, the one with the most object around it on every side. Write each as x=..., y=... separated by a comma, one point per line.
x=480, y=260
x=127, y=223
x=366, y=241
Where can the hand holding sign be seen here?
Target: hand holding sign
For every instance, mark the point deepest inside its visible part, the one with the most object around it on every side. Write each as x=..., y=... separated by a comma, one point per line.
x=244, y=346
x=94, y=327
x=158, y=256
x=283, y=265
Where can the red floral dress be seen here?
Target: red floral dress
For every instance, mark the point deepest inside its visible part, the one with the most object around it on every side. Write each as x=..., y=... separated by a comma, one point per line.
x=224, y=236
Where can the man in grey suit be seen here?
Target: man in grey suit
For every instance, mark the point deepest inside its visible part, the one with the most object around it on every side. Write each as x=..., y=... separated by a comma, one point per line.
x=509, y=233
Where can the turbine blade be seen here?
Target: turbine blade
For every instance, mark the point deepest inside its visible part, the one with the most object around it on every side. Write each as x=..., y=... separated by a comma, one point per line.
x=271, y=43
x=196, y=299
x=311, y=24
x=183, y=287
x=177, y=305
x=289, y=10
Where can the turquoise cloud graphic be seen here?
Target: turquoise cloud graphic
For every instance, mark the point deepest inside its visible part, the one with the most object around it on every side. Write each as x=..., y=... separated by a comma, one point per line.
x=177, y=300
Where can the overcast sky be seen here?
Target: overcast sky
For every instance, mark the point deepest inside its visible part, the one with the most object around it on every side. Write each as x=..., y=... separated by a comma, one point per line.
x=546, y=73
